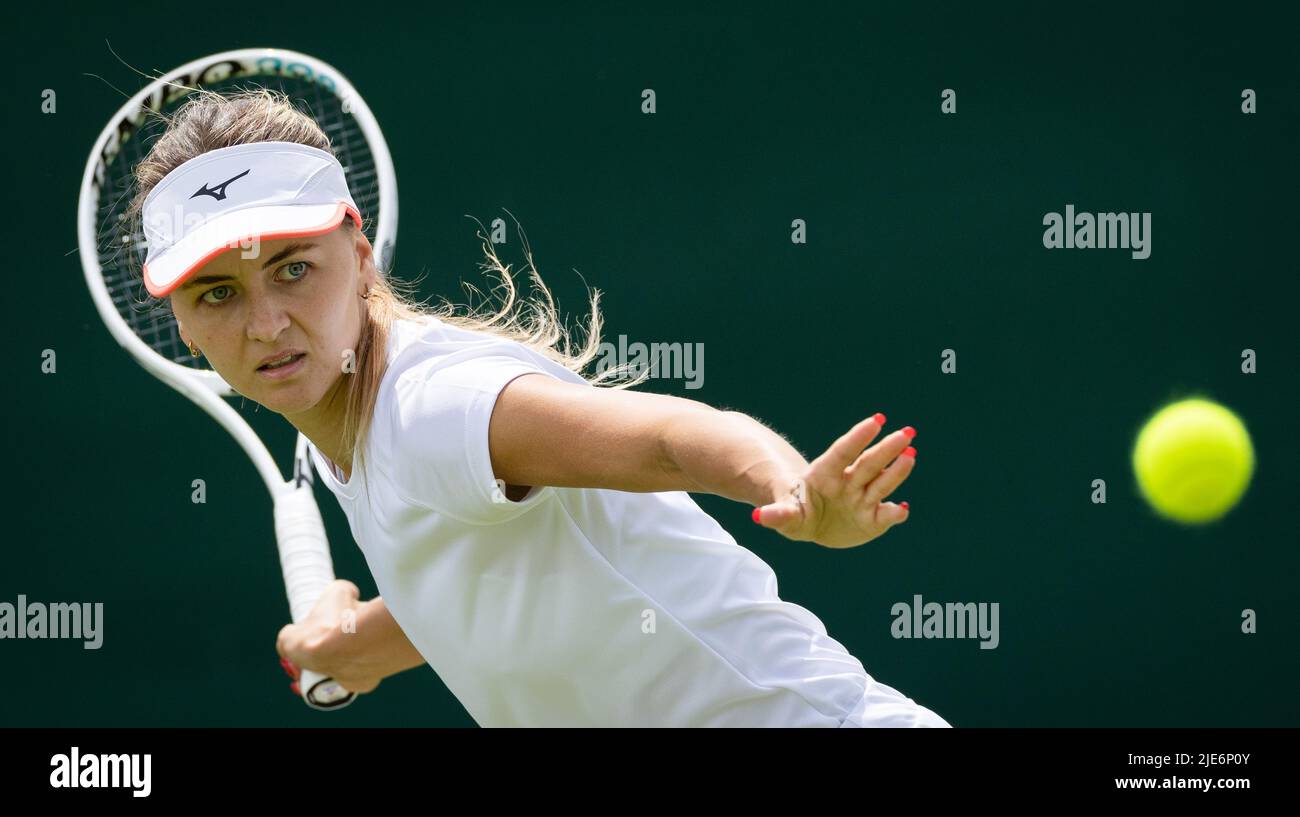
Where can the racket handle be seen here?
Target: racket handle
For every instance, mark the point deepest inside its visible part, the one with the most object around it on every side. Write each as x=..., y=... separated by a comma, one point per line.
x=322, y=692
x=308, y=569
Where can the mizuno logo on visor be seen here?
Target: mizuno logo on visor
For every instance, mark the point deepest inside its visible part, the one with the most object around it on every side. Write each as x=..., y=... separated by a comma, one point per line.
x=218, y=192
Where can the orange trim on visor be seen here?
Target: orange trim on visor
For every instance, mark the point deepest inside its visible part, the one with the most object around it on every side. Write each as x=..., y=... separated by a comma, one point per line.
x=333, y=221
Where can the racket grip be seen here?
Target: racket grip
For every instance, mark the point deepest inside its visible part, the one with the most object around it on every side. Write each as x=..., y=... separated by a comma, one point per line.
x=307, y=568
x=322, y=692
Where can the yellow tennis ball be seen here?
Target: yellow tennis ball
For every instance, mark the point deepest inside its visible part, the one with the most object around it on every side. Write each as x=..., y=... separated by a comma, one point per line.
x=1193, y=460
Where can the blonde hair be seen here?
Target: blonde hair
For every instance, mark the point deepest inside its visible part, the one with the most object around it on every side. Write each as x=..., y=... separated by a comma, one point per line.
x=209, y=121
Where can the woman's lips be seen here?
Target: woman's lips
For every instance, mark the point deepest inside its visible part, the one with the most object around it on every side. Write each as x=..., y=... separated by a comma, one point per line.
x=287, y=370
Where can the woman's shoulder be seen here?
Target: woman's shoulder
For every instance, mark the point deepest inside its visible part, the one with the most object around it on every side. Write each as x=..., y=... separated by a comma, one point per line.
x=423, y=348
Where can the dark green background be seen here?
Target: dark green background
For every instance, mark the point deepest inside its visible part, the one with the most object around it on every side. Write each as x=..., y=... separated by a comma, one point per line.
x=924, y=234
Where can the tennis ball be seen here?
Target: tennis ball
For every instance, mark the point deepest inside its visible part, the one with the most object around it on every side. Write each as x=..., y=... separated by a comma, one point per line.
x=1193, y=460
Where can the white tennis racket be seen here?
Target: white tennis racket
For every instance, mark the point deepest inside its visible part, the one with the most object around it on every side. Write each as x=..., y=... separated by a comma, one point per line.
x=112, y=258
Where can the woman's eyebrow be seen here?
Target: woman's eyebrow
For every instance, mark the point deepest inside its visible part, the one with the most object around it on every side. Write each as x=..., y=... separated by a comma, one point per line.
x=287, y=251
x=205, y=279
x=280, y=256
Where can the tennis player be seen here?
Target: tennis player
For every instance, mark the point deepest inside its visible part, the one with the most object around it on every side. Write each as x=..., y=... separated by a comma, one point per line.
x=529, y=529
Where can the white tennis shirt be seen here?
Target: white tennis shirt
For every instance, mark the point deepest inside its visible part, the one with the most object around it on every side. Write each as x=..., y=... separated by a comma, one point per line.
x=574, y=607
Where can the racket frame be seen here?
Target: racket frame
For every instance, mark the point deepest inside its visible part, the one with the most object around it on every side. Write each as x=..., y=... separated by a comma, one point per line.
x=300, y=533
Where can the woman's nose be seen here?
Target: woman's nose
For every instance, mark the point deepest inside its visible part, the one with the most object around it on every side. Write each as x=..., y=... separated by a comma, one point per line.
x=266, y=319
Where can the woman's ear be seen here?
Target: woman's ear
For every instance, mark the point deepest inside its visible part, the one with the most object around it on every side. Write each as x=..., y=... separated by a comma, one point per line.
x=366, y=264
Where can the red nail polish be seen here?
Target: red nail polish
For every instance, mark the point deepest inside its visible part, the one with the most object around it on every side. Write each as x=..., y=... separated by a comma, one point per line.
x=287, y=667
x=295, y=688
x=755, y=516
x=909, y=432
x=903, y=505
x=879, y=418
x=909, y=452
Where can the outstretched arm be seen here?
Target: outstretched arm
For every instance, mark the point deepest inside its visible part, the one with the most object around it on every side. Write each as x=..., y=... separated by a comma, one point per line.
x=548, y=432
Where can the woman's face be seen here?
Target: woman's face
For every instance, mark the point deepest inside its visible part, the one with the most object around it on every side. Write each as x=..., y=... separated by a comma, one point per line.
x=296, y=296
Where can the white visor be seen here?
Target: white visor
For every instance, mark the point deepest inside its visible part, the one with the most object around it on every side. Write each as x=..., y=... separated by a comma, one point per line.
x=232, y=197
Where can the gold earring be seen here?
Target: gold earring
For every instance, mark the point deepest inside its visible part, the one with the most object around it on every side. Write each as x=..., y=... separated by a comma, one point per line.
x=194, y=350
x=366, y=296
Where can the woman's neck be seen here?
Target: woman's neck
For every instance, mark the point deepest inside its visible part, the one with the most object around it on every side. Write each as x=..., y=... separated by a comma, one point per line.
x=323, y=425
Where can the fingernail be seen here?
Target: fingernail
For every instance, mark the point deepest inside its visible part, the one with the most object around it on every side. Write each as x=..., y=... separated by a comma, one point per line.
x=909, y=452
x=755, y=515
x=903, y=505
x=295, y=688
x=288, y=668
x=909, y=432
x=879, y=418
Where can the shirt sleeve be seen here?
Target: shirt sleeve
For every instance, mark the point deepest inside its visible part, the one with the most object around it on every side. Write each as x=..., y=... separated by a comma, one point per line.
x=441, y=417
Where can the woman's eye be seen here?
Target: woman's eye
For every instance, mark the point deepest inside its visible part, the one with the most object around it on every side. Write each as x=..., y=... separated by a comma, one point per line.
x=296, y=270
x=217, y=295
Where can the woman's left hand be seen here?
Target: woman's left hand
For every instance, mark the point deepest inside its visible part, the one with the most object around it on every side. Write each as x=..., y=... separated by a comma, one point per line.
x=839, y=501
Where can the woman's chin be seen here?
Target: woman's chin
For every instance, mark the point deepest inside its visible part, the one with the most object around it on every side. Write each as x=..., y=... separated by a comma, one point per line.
x=287, y=399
